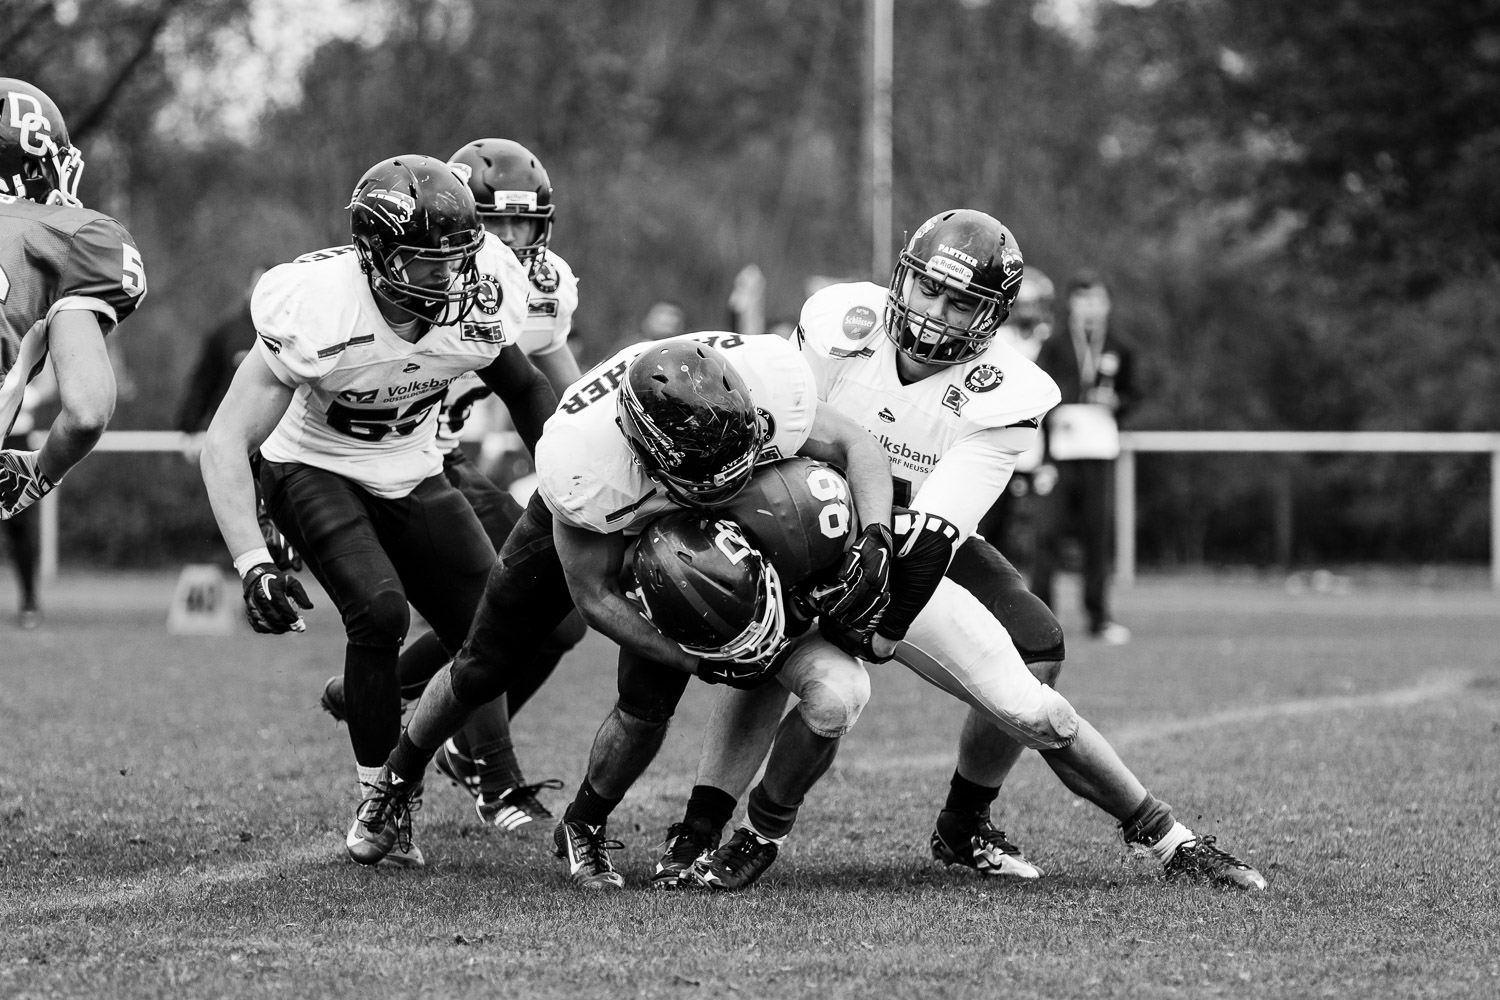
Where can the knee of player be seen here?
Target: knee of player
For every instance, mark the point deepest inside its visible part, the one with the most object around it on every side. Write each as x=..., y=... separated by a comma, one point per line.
x=1056, y=723
x=1046, y=671
x=381, y=618
x=831, y=704
x=642, y=717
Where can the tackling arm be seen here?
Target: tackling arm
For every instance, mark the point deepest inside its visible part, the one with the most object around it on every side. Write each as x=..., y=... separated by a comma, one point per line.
x=523, y=390
x=592, y=562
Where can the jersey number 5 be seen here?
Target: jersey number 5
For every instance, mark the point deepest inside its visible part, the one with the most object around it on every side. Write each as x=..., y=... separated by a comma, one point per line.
x=374, y=423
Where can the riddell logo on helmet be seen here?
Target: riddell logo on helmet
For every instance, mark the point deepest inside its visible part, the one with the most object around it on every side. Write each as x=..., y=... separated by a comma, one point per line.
x=858, y=322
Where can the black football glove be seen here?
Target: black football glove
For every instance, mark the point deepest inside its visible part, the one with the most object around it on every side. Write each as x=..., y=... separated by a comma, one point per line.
x=458, y=410
x=746, y=675
x=282, y=554
x=21, y=482
x=855, y=641
x=861, y=588
x=269, y=597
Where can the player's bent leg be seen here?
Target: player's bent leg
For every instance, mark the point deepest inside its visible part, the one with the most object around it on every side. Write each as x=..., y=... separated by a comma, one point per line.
x=964, y=833
x=983, y=571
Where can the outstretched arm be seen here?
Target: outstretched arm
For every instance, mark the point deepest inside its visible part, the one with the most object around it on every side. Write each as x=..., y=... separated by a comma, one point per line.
x=85, y=388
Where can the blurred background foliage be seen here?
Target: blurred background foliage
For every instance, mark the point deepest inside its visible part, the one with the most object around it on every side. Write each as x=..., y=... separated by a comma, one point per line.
x=1294, y=203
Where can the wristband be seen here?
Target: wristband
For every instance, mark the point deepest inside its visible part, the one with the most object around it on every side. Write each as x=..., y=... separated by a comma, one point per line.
x=247, y=561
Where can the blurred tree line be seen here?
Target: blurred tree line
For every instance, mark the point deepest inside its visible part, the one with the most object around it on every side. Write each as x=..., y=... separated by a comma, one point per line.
x=1293, y=203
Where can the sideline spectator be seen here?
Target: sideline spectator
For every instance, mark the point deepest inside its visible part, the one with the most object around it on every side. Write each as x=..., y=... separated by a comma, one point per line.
x=1091, y=364
x=223, y=349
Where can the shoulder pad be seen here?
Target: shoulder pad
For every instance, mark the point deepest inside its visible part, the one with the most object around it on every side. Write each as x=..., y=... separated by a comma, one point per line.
x=305, y=314
x=1001, y=388
x=843, y=318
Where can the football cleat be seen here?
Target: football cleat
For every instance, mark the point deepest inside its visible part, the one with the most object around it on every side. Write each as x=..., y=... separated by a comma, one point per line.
x=381, y=817
x=406, y=854
x=1199, y=858
x=737, y=864
x=586, y=851
x=515, y=807
x=986, y=850
x=459, y=768
x=332, y=698
x=681, y=853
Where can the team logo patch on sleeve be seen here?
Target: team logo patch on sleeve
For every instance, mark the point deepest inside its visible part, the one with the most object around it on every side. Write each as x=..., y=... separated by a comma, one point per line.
x=489, y=296
x=983, y=378
x=544, y=276
x=858, y=322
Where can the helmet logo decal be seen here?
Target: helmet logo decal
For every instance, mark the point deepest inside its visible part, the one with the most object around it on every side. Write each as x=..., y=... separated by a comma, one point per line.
x=463, y=170
x=983, y=378
x=30, y=124
x=947, y=267
x=489, y=296
x=394, y=208
x=958, y=255
x=923, y=230
x=858, y=322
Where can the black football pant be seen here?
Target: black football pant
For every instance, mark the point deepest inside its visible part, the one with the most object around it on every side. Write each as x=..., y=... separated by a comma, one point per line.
x=524, y=600
x=983, y=571
x=373, y=555
x=498, y=512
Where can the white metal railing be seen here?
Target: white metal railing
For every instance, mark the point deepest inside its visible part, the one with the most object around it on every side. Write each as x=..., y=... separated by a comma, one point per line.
x=1132, y=442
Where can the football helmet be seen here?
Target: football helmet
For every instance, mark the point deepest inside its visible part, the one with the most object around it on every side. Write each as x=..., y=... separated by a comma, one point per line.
x=690, y=422
x=798, y=514
x=415, y=208
x=37, y=160
x=705, y=587
x=507, y=179
x=975, y=260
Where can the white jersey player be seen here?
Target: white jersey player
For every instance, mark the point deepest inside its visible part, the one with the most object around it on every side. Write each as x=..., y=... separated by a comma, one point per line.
x=917, y=366
x=357, y=346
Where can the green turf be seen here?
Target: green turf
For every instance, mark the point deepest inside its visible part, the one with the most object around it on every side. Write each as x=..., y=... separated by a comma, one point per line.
x=171, y=811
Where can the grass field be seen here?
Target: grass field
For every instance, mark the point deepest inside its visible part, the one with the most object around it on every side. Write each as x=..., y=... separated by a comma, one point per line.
x=171, y=811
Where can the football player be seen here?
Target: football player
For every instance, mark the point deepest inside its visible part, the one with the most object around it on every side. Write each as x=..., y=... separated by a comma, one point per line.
x=702, y=579
x=917, y=364
x=678, y=423
x=68, y=277
x=514, y=197
x=356, y=348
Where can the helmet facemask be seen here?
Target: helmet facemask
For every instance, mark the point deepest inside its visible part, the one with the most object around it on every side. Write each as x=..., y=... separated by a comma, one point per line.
x=439, y=306
x=932, y=339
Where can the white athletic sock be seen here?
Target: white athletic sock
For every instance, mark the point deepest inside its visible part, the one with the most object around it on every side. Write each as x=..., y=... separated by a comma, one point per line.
x=778, y=841
x=1173, y=839
x=367, y=776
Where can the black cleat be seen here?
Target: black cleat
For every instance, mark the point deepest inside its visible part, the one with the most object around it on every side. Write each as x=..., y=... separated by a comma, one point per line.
x=984, y=849
x=586, y=851
x=682, y=851
x=1199, y=858
x=738, y=864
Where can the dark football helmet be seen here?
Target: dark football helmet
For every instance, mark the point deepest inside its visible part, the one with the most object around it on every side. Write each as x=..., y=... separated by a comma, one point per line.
x=690, y=421
x=507, y=179
x=705, y=587
x=415, y=208
x=975, y=260
x=798, y=514
x=37, y=160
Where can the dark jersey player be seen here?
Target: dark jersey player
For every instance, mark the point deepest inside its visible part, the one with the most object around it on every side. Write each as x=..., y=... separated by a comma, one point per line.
x=68, y=277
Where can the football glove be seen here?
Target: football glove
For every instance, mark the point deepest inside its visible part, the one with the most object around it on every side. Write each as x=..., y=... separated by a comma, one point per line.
x=861, y=589
x=269, y=600
x=21, y=482
x=744, y=674
x=857, y=641
x=458, y=410
x=282, y=554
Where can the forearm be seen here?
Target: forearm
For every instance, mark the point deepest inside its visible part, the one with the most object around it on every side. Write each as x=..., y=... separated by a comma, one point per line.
x=869, y=478
x=617, y=619
x=231, y=494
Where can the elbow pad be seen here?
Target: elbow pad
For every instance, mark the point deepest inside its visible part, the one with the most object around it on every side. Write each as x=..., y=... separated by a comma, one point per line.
x=925, y=544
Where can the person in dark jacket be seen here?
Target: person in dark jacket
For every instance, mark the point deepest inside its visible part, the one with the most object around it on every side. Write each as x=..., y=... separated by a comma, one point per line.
x=223, y=349
x=1092, y=365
